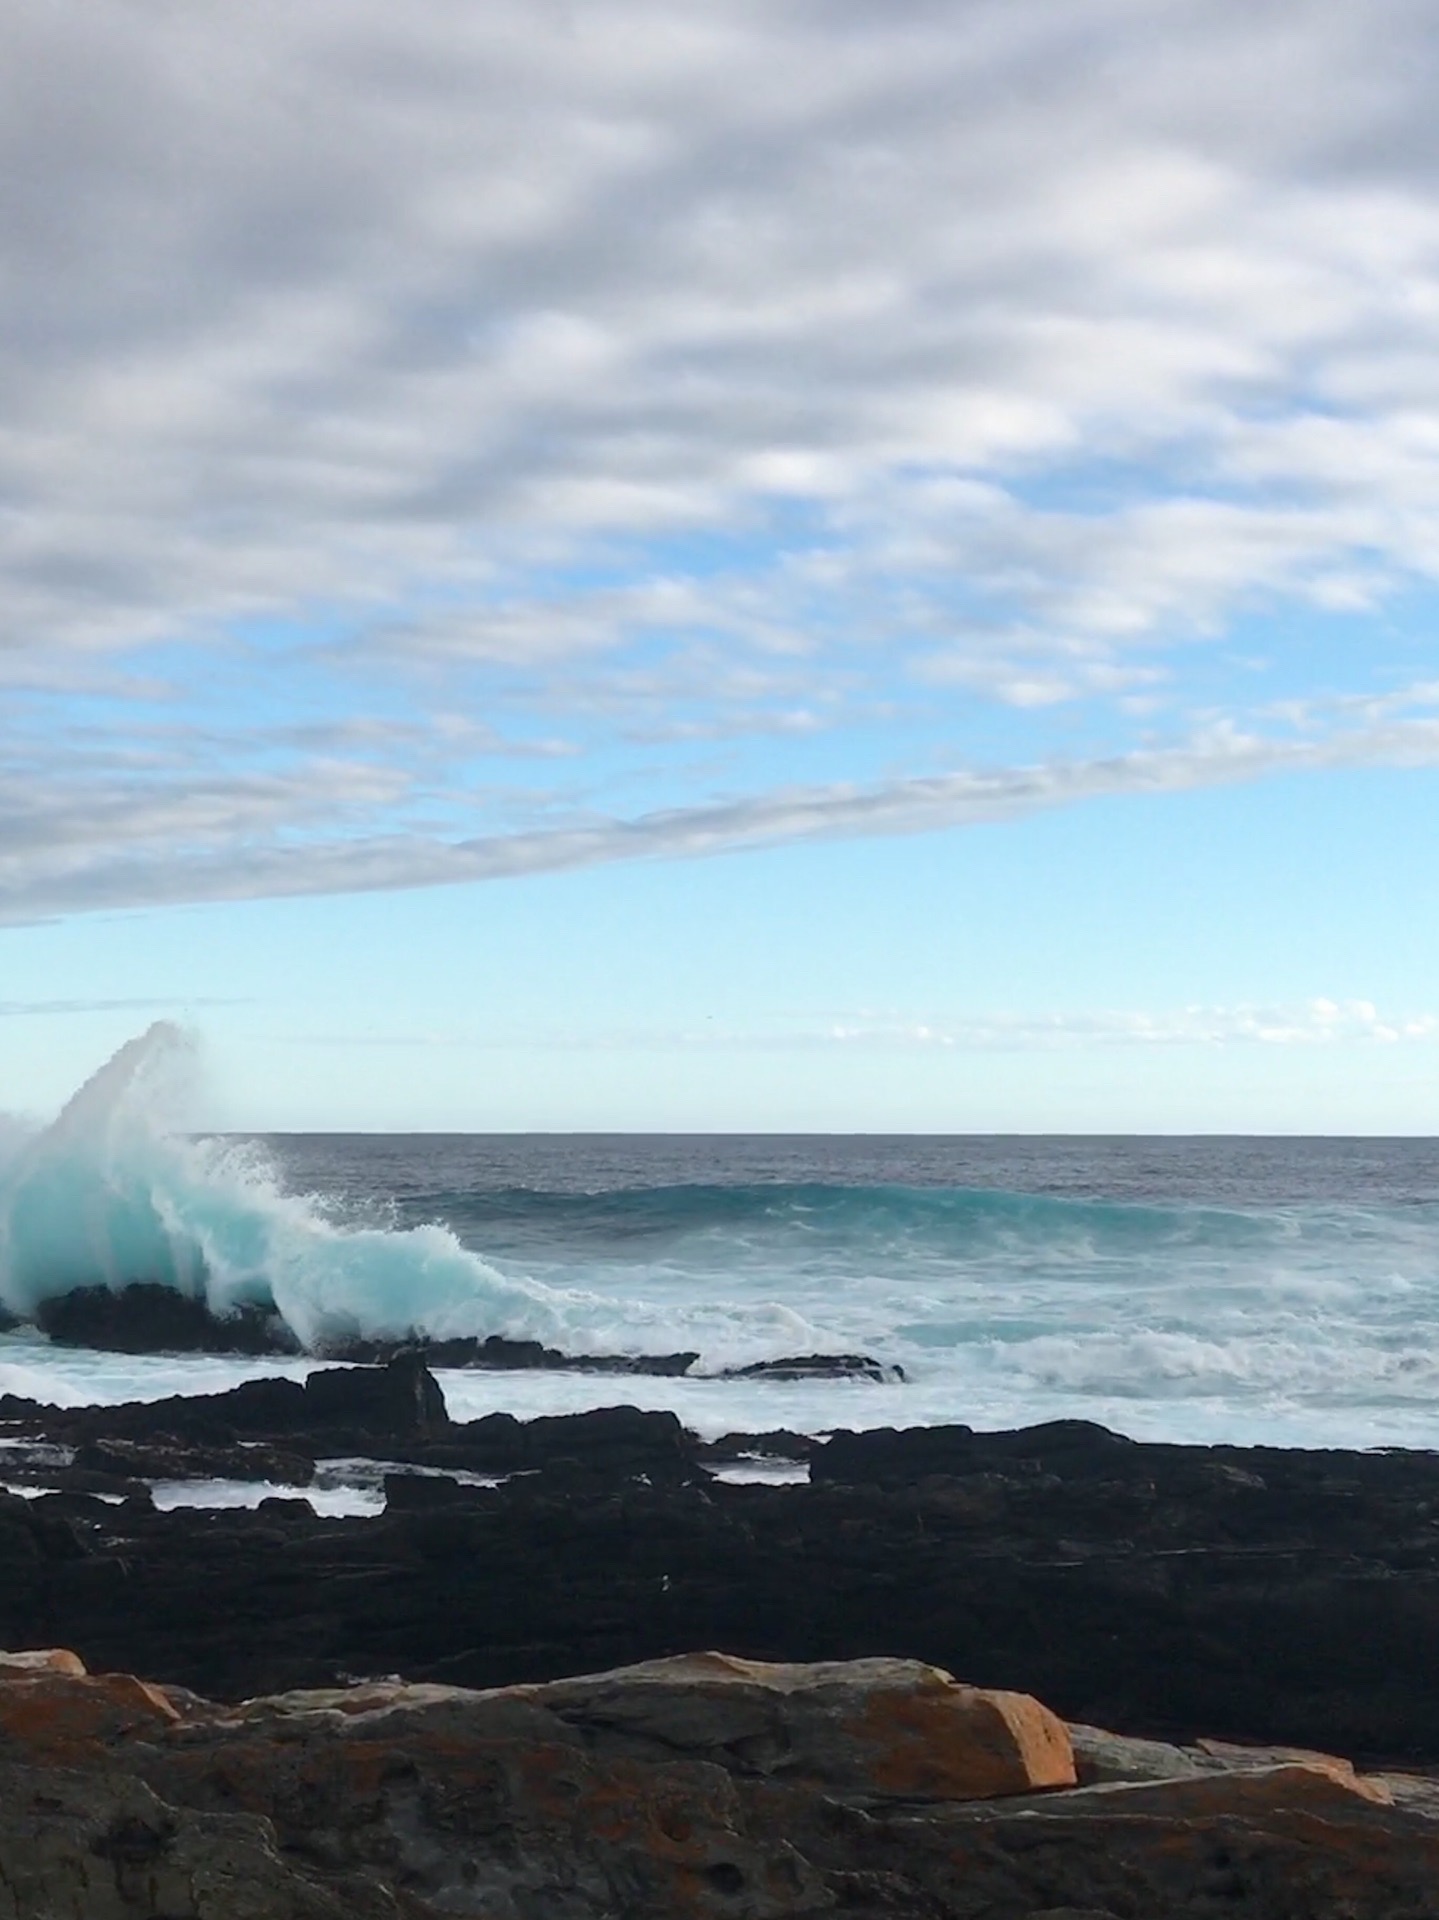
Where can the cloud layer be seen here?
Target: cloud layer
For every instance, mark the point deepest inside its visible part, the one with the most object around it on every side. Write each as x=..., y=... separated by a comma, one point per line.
x=453, y=441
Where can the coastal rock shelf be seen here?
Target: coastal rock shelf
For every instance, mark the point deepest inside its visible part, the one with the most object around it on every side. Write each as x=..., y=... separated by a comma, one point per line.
x=702, y=1787
x=1165, y=1591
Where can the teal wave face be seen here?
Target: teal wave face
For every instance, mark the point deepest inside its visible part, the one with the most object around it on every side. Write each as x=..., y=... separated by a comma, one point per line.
x=1070, y=1301
x=111, y=1195
x=959, y=1224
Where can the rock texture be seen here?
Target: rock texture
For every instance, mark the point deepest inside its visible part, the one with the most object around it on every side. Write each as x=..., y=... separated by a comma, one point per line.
x=1170, y=1592
x=890, y=1728
x=699, y=1788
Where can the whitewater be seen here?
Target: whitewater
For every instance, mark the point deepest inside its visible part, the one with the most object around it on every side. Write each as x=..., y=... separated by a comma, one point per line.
x=1281, y=1291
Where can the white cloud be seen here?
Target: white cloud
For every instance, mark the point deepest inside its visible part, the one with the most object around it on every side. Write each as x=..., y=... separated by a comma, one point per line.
x=1317, y=1022
x=1311, y=1023
x=631, y=377
x=301, y=832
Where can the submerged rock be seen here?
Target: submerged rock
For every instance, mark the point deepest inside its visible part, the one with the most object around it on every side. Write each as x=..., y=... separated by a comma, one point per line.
x=150, y=1317
x=817, y=1366
x=498, y=1354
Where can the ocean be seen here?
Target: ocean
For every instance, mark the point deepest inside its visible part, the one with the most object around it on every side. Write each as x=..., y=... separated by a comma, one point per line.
x=1270, y=1290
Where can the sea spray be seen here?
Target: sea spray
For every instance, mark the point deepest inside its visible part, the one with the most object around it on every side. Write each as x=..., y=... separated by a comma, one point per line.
x=113, y=1194
x=1276, y=1290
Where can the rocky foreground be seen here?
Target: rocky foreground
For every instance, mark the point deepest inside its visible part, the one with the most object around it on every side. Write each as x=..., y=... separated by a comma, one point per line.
x=410, y=1730
x=703, y=1786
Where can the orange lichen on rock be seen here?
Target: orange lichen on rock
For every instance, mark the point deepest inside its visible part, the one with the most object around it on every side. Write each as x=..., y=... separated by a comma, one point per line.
x=65, y=1719
x=41, y=1660
x=891, y=1728
x=951, y=1742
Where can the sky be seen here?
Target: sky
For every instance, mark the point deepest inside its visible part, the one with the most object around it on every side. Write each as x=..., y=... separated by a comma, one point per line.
x=860, y=565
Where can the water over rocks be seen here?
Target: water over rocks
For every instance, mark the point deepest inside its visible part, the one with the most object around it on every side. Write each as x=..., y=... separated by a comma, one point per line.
x=147, y=1316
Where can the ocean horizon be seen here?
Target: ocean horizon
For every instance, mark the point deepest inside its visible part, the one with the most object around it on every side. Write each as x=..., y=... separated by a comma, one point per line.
x=1248, y=1289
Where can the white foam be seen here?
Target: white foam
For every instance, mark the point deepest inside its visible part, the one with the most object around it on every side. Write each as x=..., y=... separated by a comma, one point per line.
x=112, y=1194
x=337, y=1502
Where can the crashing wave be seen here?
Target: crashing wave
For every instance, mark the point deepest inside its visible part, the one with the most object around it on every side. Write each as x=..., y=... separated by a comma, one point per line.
x=112, y=1197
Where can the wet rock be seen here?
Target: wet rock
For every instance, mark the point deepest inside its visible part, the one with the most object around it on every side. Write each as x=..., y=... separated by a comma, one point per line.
x=614, y=1443
x=779, y=1443
x=888, y=1456
x=148, y=1317
x=498, y=1354
x=403, y=1396
x=817, y=1366
x=129, y=1460
x=333, y=1405
x=1265, y=1596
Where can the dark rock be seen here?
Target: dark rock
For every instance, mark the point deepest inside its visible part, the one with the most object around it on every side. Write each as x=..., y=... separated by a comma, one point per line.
x=777, y=1444
x=401, y=1397
x=886, y=1456
x=817, y=1366
x=154, y=1460
x=337, y=1409
x=1284, y=1597
x=498, y=1354
x=148, y=1317
x=424, y=1492
x=617, y=1443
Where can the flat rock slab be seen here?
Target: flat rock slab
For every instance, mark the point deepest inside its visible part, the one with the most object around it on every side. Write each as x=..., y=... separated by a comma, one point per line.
x=894, y=1728
x=882, y=1728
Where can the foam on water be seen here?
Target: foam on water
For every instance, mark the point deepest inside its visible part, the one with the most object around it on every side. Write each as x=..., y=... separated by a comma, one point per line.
x=111, y=1194
x=1284, y=1292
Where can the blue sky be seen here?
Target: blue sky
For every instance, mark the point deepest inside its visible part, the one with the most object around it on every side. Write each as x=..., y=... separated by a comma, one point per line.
x=767, y=566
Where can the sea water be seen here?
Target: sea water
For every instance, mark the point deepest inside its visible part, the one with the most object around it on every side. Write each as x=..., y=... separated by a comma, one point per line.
x=1277, y=1290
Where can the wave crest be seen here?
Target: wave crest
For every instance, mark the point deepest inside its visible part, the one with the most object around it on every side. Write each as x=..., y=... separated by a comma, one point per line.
x=111, y=1194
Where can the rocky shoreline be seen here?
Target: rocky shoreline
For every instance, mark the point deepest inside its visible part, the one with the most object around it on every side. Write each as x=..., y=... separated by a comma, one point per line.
x=146, y=1316
x=697, y=1788
x=1269, y=1598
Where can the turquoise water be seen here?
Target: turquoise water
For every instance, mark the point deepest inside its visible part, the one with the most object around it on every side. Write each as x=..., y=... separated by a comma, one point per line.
x=1280, y=1289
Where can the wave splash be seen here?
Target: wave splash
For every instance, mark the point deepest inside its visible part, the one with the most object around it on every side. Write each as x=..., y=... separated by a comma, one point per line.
x=111, y=1194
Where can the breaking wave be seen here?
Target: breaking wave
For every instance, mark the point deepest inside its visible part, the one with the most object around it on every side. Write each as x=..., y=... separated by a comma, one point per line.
x=1292, y=1291
x=111, y=1194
